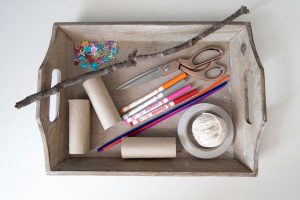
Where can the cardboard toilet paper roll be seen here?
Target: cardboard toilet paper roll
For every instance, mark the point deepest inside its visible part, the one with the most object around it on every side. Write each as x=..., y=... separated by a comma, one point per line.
x=79, y=126
x=102, y=102
x=148, y=147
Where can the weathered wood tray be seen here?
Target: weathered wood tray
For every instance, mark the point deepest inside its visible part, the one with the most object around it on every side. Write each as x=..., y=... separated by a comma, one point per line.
x=243, y=98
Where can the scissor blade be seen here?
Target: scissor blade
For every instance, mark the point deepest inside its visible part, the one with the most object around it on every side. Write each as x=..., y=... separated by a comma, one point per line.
x=143, y=78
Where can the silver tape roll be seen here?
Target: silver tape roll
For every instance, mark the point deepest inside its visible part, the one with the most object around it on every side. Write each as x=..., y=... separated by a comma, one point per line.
x=184, y=131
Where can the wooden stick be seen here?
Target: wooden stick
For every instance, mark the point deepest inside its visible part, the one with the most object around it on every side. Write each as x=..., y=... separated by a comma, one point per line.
x=132, y=58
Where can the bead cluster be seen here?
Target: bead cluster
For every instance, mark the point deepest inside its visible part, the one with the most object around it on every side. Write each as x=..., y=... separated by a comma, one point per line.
x=95, y=54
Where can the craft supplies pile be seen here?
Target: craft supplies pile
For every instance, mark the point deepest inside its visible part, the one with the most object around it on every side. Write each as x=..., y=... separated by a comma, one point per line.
x=204, y=130
x=94, y=53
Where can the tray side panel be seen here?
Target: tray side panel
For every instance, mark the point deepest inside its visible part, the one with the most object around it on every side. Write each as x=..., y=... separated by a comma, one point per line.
x=54, y=134
x=248, y=120
x=136, y=31
x=171, y=167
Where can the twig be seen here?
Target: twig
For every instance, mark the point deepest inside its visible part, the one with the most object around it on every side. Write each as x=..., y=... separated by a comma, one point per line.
x=132, y=58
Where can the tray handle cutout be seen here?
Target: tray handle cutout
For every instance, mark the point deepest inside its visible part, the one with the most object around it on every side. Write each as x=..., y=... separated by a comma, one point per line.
x=249, y=96
x=54, y=99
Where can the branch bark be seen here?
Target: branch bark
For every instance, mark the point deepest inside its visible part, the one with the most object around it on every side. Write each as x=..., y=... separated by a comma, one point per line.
x=132, y=59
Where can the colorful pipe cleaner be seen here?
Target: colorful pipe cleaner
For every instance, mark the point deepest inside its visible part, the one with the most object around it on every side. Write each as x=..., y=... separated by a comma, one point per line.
x=95, y=54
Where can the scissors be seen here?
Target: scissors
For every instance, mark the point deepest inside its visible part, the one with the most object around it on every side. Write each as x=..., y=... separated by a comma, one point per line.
x=207, y=69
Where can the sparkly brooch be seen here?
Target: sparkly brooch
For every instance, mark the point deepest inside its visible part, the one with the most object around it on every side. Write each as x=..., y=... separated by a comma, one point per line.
x=95, y=54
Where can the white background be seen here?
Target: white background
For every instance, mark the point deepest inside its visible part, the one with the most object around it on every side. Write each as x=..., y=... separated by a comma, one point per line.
x=25, y=29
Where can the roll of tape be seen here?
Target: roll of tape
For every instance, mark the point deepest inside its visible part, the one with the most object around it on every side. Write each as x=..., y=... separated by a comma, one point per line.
x=197, y=150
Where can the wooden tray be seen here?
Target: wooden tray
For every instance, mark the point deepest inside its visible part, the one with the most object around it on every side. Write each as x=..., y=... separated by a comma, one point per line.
x=243, y=98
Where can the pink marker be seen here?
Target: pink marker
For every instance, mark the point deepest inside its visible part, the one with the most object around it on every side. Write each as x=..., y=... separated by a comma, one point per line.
x=159, y=103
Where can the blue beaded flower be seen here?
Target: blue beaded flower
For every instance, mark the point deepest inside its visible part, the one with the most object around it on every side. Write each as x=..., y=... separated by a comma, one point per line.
x=94, y=66
x=83, y=65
